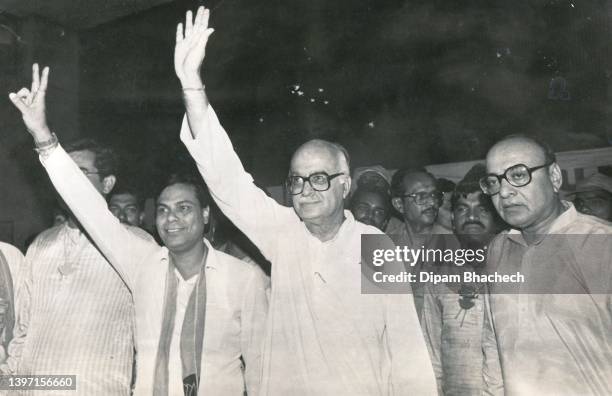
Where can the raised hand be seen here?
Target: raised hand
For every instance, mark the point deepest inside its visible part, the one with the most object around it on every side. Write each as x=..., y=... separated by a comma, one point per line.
x=191, y=47
x=31, y=103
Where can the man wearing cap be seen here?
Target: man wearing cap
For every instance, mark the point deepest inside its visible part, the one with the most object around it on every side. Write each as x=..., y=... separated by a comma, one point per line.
x=549, y=335
x=593, y=196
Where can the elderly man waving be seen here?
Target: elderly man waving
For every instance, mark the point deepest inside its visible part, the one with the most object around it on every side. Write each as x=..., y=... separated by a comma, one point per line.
x=323, y=336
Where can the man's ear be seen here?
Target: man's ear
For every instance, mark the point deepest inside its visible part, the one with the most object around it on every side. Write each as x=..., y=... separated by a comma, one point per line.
x=346, y=187
x=556, y=177
x=398, y=204
x=141, y=217
x=108, y=183
x=206, y=214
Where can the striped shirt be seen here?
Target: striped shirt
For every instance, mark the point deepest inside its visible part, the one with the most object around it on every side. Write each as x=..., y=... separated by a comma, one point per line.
x=75, y=316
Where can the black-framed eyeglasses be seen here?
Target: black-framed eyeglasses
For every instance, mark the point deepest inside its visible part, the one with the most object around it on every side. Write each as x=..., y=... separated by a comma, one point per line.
x=319, y=181
x=88, y=172
x=422, y=197
x=517, y=175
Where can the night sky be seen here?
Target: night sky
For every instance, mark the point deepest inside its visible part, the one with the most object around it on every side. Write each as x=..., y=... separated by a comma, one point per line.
x=400, y=83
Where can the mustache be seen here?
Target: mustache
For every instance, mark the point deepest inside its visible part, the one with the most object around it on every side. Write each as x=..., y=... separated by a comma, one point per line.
x=467, y=223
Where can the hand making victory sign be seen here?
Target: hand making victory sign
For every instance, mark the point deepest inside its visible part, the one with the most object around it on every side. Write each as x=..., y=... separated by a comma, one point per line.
x=191, y=47
x=31, y=103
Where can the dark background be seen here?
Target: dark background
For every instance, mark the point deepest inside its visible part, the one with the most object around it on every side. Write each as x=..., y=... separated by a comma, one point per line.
x=407, y=82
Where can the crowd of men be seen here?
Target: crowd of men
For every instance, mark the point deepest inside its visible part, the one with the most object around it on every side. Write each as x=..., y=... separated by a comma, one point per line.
x=189, y=312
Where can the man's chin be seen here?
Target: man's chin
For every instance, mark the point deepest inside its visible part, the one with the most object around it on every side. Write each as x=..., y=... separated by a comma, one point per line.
x=308, y=212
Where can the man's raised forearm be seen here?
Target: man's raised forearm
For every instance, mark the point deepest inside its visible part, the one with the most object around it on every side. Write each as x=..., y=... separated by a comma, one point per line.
x=196, y=104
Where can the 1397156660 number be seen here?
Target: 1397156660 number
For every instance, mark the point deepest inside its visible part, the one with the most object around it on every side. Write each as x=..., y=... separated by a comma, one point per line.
x=38, y=382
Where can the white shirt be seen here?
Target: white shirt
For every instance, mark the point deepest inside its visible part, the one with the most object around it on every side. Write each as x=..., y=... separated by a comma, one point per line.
x=323, y=336
x=175, y=367
x=236, y=302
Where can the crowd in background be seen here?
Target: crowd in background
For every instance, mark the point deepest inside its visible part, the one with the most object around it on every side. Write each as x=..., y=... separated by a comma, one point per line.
x=236, y=293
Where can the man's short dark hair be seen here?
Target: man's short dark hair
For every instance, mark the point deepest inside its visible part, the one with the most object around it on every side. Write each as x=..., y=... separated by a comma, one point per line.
x=471, y=184
x=126, y=186
x=445, y=185
x=549, y=153
x=397, y=181
x=192, y=180
x=106, y=160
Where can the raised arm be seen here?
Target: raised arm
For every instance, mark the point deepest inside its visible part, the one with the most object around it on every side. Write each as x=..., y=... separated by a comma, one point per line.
x=124, y=248
x=257, y=215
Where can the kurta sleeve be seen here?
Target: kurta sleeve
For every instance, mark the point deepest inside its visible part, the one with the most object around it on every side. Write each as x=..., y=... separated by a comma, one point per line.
x=124, y=247
x=260, y=217
x=411, y=370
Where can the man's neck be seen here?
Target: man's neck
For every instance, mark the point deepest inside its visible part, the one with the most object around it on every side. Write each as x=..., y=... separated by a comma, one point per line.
x=533, y=233
x=326, y=230
x=189, y=262
x=417, y=231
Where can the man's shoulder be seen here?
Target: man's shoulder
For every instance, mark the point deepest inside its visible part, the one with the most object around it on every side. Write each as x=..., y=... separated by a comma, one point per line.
x=362, y=228
x=395, y=226
x=234, y=267
x=49, y=235
x=9, y=250
x=586, y=224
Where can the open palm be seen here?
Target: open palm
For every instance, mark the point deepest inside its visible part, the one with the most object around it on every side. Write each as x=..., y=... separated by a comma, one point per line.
x=190, y=46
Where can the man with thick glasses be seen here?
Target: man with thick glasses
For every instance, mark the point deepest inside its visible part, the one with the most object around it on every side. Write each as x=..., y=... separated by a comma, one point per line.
x=416, y=197
x=323, y=335
x=550, y=335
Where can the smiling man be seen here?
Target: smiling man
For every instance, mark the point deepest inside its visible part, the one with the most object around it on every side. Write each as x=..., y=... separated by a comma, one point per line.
x=323, y=335
x=199, y=312
x=538, y=340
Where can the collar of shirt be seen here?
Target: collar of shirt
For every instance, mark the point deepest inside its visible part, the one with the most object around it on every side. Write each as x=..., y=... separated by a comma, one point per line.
x=566, y=218
x=211, y=259
x=344, y=229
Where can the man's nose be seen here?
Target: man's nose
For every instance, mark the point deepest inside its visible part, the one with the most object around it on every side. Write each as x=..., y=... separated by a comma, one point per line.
x=122, y=216
x=307, y=190
x=506, y=189
x=473, y=215
x=171, y=216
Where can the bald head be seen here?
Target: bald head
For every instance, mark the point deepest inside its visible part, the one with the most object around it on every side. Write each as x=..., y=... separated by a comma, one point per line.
x=533, y=148
x=317, y=150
